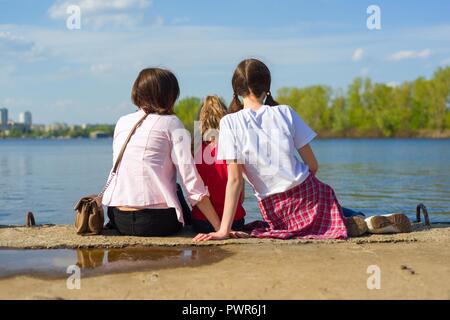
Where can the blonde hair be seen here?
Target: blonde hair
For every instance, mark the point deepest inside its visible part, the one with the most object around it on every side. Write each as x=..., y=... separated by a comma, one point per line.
x=210, y=114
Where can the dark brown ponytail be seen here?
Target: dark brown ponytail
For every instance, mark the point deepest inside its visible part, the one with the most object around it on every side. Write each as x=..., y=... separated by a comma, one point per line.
x=270, y=101
x=235, y=105
x=251, y=77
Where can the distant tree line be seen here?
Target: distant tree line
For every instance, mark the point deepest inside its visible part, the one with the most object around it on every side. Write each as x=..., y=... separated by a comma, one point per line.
x=420, y=108
x=67, y=132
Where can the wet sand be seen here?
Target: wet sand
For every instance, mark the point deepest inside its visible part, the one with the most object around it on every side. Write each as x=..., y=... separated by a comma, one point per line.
x=412, y=266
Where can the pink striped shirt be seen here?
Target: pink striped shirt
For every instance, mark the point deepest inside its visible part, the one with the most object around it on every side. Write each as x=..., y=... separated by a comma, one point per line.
x=147, y=175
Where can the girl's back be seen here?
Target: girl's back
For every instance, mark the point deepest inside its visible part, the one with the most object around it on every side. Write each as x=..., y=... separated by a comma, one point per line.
x=214, y=174
x=264, y=141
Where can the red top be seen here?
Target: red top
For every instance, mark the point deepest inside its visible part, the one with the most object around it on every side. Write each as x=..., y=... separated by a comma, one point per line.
x=215, y=175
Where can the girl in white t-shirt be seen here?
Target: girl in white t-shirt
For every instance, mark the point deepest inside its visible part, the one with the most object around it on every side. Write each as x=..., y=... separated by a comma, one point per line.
x=265, y=143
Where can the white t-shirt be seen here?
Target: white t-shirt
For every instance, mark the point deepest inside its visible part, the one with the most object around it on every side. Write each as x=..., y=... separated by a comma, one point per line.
x=266, y=143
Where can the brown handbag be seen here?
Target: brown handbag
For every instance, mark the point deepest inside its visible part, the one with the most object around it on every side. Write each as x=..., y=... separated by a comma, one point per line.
x=90, y=216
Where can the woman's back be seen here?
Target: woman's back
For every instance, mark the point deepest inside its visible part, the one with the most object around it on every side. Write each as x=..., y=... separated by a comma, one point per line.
x=148, y=172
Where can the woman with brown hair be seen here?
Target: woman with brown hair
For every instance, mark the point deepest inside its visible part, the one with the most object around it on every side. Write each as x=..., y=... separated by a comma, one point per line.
x=142, y=197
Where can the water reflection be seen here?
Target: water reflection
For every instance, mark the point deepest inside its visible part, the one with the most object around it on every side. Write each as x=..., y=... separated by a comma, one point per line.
x=54, y=263
x=95, y=258
x=90, y=258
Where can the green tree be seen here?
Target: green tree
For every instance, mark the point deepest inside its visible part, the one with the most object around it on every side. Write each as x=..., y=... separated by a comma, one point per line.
x=339, y=123
x=357, y=116
x=187, y=109
x=421, y=108
x=440, y=94
x=311, y=103
x=375, y=109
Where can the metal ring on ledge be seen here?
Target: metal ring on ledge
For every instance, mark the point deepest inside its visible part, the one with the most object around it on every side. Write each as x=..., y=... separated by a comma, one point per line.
x=421, y=207
x=29, y=220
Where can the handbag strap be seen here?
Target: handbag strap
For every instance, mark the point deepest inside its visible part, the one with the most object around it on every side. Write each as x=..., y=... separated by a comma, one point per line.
x=122, y=152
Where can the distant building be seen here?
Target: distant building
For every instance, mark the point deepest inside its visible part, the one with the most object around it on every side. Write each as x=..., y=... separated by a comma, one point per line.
x=98, y=135
x=26, y=119
x=3, y=119
x=56, y=126
x=38, y=127
x=85, y=126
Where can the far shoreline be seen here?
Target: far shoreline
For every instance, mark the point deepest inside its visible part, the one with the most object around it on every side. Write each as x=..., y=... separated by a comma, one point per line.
x=322, y=135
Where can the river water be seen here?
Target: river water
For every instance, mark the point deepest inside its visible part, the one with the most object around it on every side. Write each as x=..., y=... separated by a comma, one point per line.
x=374, y=176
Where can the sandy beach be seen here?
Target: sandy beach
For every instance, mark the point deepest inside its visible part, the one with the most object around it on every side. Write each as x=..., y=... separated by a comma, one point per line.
x=412, y=266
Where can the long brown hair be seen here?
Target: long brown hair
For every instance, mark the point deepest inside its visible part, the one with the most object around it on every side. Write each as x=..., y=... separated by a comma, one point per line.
x=211, y=112
x=155, y=91
x=251, y=76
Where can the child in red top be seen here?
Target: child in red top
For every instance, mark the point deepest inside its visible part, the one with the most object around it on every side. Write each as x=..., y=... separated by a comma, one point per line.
x=213, y=171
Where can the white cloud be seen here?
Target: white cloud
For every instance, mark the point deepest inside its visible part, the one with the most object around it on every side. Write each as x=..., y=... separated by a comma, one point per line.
x=181, y=20
x=117, y=20
x=101, y=13
x=171, y=46
x=58, y=9
x=358, y=54
x=8, y=36
x=100, y=68
x=14, y=42
x=445, y=62
x=158, y=21
x=18, y=47
x=203, y=57
x=410, y=54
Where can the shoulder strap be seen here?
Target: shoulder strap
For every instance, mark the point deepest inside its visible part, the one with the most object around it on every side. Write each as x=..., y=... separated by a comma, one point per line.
x=122, y=151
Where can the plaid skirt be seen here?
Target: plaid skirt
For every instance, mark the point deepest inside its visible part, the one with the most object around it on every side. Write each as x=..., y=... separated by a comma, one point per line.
x=307, y=211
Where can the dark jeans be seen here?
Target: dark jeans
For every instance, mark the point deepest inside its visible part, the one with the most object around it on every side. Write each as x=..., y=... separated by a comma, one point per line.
x=145, y=223
x=351, y=213
x=150, y=222
x=203, y=226
x=187, y=213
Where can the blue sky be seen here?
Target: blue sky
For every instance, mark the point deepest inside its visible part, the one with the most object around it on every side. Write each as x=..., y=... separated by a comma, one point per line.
x=85, y=76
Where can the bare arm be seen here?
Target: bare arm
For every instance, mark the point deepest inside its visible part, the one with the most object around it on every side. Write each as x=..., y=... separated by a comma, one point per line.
x=208, y=210
x=307, y=155
x=233, y=192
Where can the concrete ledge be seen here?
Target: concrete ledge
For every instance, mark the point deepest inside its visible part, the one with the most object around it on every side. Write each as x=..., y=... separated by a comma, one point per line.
x=64, y=237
